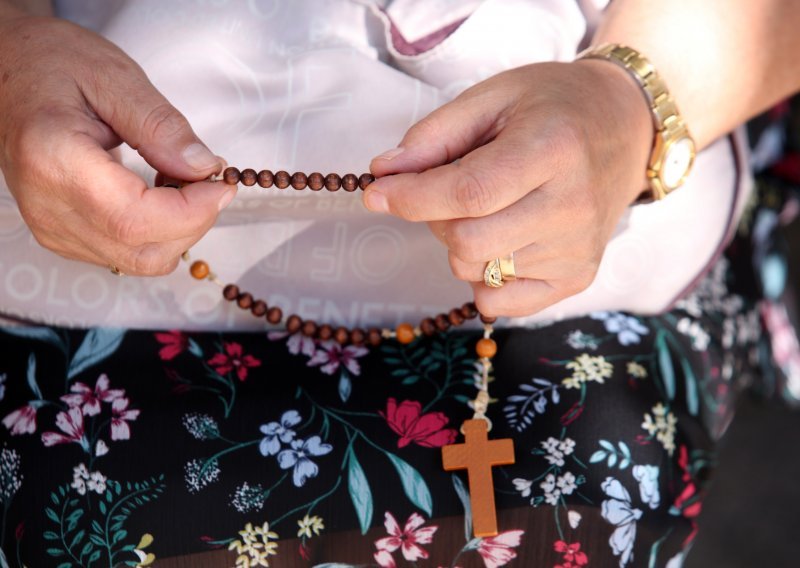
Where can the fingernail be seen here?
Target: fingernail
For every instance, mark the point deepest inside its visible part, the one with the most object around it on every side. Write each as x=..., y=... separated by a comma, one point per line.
x=376, y=202
x=199, y=157
x=390, y=154
x=226, y=199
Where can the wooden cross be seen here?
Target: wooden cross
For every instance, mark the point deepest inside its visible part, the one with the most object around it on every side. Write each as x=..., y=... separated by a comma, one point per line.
x=477, y=455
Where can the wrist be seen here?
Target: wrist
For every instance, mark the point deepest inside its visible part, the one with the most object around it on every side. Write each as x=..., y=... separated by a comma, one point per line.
x=626, y=115
x=673, y=148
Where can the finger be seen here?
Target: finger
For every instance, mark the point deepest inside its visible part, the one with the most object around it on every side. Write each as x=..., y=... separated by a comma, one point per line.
x=447, y=133
x=521, y=298
x=535, y=262
x=143, y=118
x=121, y=206
x=538, y=217
x=88, y=245
x=485, y=181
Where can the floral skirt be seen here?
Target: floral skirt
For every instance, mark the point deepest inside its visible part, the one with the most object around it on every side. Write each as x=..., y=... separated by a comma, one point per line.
x=134, y=448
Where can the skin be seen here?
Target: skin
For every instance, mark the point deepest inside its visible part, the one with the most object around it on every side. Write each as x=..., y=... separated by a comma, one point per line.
x=548, y=155
x=63, y=115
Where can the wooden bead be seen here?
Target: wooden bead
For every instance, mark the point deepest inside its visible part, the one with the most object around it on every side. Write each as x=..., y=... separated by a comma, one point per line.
x=316, y=181
x=293, y=323
x=231, y=176
x=309, y=328
x=299, y=180
x=349, y=182
x=469, y=310
x=333, y=182
x=230, y=292
x=456, y=317
x=274, y=315
x=427, y=327
x=282, y=179
x=374, y=336
x=259, y=308
x=245, y=300
x=265, y=178
x=325, y=332
x=486, y=348
x=341, y=335
x=442, y=323
x=199, y=269
x=405, y=333
x=487, y=319
x=365, y=180
x=357, y=336
x=249, y=177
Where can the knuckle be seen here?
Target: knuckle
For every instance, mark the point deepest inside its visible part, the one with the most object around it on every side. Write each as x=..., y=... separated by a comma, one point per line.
x=164, y=121
x=47, y=241
x=474, y=195
x=426, y=129
x=466, y=243
x=459, y=269
x=124, y=229
x=152, y=261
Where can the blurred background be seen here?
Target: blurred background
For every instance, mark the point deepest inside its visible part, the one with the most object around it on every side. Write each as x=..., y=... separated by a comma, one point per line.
x=751, y=516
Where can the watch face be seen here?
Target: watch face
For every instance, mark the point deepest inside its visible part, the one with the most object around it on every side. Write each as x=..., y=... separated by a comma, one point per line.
x=677, y=161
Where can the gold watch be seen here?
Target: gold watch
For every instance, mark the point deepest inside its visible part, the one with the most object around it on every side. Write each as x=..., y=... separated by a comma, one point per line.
x=674, y=149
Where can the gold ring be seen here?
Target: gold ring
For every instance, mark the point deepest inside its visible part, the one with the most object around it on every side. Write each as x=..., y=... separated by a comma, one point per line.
x=507, y=267
x=499, y=270
x=114, y=270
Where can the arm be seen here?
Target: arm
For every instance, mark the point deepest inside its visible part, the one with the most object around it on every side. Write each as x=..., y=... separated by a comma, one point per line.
x=551, y=154
x=724, y=61
x=33, y=7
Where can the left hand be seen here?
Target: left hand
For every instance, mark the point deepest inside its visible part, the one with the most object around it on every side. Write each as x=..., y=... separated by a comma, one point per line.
x=541, y=160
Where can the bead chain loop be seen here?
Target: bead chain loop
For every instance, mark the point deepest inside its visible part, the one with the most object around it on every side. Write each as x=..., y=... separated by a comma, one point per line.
x=405, y=333
x=298, y=180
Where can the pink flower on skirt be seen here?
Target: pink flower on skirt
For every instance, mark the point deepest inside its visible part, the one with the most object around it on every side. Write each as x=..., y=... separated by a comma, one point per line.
x=408, y=540
x=121, y=415
x=497, y=550
x=71, y=424
x=21, y=421
x=89, y=400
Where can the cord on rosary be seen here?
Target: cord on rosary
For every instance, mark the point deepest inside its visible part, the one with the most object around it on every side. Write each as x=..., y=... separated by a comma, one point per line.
x=480, y=404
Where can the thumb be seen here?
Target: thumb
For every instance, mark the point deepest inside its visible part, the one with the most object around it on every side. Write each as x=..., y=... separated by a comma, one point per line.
x=446, y=134
x=142, y=117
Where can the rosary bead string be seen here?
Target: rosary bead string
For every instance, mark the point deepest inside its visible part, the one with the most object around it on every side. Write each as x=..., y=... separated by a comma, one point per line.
x=476, y=451
x=404, y=333
x=298, y=180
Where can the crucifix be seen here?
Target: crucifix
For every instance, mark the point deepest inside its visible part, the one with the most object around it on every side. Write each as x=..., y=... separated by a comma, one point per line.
x=478, y=455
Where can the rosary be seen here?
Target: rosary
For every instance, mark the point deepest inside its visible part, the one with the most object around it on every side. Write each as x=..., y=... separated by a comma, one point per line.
x=477, y=454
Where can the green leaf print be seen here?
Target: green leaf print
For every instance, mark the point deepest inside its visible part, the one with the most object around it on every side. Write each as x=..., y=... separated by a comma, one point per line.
x=106, y=536
x=360, y=493
x=413, y=484
x=665, y=364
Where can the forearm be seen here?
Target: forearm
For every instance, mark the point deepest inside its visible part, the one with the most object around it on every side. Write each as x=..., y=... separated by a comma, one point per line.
x=31, y=7
x=723, y=60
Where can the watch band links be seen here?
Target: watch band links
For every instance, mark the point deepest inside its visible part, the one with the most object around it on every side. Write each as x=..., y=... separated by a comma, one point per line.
x=668, y=123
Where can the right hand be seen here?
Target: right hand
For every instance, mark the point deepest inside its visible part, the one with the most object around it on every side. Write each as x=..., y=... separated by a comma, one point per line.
x=68, y=96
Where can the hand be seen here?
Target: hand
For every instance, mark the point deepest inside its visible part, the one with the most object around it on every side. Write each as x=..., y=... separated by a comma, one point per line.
x=67, y=96
x=541, y=160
